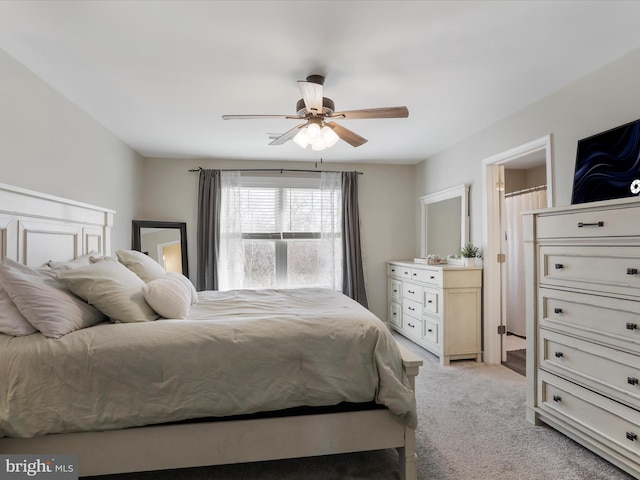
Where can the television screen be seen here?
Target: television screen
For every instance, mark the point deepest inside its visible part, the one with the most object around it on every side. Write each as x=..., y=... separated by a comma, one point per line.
x=608, y=165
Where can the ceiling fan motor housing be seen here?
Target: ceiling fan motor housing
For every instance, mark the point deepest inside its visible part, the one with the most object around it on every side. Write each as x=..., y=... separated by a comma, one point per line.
x=328, y=107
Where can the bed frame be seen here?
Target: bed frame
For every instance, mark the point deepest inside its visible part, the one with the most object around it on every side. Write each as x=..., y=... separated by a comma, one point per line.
x=36, y=228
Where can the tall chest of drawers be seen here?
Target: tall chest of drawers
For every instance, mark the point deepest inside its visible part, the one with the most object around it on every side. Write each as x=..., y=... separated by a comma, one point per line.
x=583, y=325
x=437, y=307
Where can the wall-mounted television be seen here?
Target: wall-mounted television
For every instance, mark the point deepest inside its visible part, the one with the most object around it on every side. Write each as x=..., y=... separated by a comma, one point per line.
x=608, y=165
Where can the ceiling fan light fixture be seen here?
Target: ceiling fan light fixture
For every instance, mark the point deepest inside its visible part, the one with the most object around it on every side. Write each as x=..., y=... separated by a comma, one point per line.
x=329, y=137
x=301, y=138
x=318, y=145
x=313, y=131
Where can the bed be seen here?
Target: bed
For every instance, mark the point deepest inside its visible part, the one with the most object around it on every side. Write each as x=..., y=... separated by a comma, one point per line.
x=246, y=376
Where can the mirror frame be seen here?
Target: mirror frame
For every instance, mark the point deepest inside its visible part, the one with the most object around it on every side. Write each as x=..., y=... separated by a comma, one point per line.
x=461, y=191
x=136, y=225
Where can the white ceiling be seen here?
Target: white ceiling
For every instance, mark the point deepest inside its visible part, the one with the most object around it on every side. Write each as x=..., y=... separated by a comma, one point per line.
x=159, y=74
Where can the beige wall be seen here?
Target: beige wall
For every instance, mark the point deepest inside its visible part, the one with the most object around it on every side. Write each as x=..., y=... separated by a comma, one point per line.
x=49, y=145
x=387, y=206
x=604, y=99
x=519, y=179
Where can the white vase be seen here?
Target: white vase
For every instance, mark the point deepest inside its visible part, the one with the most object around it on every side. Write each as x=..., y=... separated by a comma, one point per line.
x=469, y=262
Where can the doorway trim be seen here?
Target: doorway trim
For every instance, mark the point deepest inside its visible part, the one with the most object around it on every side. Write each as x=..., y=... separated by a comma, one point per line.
x=492, y=310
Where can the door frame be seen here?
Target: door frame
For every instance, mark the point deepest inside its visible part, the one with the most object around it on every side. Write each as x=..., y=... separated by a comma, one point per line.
x=493, y=295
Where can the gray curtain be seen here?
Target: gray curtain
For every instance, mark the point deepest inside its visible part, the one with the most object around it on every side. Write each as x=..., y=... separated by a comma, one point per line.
x=353, y=284
x=208, y=239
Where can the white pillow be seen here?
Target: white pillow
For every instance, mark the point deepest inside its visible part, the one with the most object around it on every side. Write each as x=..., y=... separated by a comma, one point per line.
x=170, y=295
x=112, y=289
x=12, y=322
x=142, y=265
x=44, y=301
x=76, y=262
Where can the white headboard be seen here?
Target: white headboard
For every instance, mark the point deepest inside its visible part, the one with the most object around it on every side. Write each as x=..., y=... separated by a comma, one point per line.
x=36, y=227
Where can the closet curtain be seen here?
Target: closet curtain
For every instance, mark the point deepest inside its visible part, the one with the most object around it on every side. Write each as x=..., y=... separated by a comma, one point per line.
x=516, y=294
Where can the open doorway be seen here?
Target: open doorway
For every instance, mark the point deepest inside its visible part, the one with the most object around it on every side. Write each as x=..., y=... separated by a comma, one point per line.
x=525, y=189
x=509, y=178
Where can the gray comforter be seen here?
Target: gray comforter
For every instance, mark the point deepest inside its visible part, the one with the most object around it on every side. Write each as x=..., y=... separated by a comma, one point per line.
x=238, y=352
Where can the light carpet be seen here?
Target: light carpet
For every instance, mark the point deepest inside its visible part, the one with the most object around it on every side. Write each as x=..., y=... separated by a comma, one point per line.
x=472, y=427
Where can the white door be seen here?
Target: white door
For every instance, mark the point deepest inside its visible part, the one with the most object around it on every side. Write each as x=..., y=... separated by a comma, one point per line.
x=494, y=273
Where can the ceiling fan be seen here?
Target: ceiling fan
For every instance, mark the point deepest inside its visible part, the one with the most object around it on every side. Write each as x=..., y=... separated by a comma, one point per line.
x=316, y=110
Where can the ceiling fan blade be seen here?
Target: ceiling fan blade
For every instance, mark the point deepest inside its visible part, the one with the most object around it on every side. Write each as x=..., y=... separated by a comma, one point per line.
x=250, y=117
x=285, y=137
x=383, y=112
x=312, y=96
x=352, y=138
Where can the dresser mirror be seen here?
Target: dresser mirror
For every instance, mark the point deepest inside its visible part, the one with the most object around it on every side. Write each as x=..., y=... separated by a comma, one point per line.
x=165, y=242
x=445, y=222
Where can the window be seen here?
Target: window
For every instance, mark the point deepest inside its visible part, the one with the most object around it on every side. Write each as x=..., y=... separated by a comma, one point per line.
x=286, y=234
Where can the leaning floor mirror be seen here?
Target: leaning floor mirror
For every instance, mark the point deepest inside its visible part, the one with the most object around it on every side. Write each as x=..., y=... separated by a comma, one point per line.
x=445, y=222
x=165, y=242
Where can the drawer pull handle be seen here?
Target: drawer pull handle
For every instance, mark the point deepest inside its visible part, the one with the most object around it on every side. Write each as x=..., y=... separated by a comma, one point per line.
x=411, y=291
x=412, y=309
x=559, y=354
x=594, y=224
x=412, y=326
x=632, y=326
x=432, y=277
x=557, y=310
x=632, y=436
x=557, y=398
x=632, y=380
x=429, y=301
x=559, y=266
x=632, y=271
x=415, y=274
x=430, y=330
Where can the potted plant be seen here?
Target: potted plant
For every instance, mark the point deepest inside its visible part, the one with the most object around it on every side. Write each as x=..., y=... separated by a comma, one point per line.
x=469, y=252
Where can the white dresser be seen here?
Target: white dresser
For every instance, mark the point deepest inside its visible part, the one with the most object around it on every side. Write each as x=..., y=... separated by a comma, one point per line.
x=583, y=325
x=437, y=307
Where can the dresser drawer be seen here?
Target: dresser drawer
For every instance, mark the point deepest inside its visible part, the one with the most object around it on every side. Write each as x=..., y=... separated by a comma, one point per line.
x=592, y=413
x=432, y=276
x=412, y=292
x=413, y=327
x=395, y=270
x=599, y=268
x=394, y=289
x=431, y=300
x=609, y=371
x=612, y=321
x=395, y=314
x=590, y=224
x=412, y=308
x=431, y=331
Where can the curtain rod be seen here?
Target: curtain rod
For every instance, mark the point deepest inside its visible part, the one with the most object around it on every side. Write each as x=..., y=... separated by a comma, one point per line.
x=525, y=190
x=281, y=170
